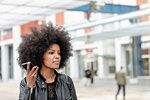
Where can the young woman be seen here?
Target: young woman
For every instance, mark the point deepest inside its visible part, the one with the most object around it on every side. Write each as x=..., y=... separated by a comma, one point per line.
x=46, y=49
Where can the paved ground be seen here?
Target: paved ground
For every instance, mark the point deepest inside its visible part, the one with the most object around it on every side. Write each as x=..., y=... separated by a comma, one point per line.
x=105, y=90
x=99, y=91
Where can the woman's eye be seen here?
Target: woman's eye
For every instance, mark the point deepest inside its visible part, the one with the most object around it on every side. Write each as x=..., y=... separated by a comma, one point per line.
x=51, y=52
x=59, y=53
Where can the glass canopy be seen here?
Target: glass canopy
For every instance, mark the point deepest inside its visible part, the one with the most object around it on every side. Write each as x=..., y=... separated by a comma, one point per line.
x=15, y=12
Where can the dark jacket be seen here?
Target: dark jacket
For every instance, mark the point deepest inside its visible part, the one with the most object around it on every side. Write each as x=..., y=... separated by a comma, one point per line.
x=64, y=89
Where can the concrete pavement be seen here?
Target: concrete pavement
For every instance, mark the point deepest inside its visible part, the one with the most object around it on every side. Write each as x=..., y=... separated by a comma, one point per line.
x=106, y=90
x=99, y=91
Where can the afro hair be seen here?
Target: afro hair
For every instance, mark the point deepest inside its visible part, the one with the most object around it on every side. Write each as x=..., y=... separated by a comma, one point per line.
x=33, y=46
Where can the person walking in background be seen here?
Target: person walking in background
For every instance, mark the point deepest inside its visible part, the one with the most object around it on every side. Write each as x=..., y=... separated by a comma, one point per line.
x=92, y=77
x=47, y=49
x=0, y=75
x=120, y=78
x=88, y=76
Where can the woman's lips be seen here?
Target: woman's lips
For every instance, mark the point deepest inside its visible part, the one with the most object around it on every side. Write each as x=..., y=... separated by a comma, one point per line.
x=56, y=62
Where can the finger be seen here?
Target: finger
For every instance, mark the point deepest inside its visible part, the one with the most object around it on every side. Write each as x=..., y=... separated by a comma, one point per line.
x=28, y=67
x=26, y=72
x=32, y=70
x=34, y=75
x=35, y=71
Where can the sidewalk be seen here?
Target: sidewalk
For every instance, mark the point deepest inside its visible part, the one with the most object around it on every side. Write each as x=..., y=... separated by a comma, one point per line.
x=9, y=90
x=106, y=91
x=99, y=91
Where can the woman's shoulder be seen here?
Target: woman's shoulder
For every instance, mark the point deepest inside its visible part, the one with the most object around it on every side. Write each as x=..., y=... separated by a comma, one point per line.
x=64, y=77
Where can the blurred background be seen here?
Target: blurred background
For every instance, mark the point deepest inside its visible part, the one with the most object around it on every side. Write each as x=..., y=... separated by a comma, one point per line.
x=106, y=34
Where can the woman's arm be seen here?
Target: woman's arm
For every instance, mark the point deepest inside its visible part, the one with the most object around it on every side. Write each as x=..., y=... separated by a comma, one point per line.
x=27, y=85
x=25, y=92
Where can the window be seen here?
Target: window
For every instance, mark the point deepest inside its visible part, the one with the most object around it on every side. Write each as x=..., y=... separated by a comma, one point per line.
x=7, y=31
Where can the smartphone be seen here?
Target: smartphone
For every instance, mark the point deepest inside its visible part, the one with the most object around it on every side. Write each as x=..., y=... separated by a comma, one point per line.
x=24, y=65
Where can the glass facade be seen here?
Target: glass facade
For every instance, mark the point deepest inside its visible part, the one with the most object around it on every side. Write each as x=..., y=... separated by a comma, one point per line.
x=11, y=69
x=145, y=62
x=0, y=64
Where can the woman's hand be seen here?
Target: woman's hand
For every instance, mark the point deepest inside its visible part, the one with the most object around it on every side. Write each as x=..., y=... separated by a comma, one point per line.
x=31, y=75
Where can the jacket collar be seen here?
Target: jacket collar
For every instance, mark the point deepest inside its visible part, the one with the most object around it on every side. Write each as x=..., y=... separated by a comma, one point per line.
x=41, y=80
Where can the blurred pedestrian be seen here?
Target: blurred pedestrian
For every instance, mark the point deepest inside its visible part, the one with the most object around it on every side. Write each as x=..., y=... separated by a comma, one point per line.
x=95, y=71
x=0, y=75
x=120, y=78
x=47, y=49
x=88, y=76
x=92, y=77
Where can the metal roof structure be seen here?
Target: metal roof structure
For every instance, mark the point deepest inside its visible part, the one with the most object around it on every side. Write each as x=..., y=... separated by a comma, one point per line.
x=15, y=12
x=134, y=29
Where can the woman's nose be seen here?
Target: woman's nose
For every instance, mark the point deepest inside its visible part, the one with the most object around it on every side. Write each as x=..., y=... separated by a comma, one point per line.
x=57, y=55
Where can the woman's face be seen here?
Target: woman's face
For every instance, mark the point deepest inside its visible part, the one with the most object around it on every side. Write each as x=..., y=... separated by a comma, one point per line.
x=51, y=58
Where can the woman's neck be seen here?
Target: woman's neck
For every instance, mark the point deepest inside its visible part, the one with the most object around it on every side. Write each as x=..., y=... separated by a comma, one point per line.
x=48, y=74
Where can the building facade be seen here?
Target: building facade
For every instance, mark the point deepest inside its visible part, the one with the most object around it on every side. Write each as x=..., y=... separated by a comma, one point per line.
x=103, y=56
